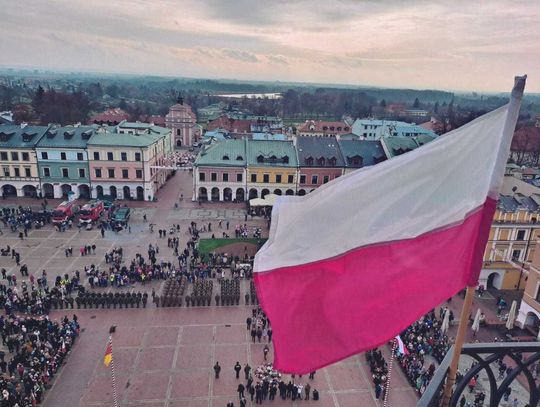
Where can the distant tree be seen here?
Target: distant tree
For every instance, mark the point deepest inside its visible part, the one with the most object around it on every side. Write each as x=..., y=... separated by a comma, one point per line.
x=383, y=103
x=112, y=90
x=416, y=103
x=38, y=100
x=123, y=105
x=436, y=107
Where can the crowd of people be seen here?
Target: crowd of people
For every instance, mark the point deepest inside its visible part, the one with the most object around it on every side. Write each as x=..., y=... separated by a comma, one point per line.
x=38, y=347
x=422, y=339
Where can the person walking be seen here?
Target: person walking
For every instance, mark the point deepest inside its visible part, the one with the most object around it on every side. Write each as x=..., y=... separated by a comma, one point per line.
x=240, y=391
x=237, y=369
x=266, y=350
x=307, y=390
x=247, y=369
x=217, y=369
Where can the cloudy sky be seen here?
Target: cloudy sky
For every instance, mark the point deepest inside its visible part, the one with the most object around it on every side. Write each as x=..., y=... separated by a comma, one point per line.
x=455, y=45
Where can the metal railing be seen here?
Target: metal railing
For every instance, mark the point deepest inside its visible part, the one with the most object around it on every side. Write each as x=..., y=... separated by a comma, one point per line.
x=485, y=354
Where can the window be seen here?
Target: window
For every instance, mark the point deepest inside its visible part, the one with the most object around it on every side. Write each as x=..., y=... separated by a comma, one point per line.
x=14, y=156
x=253, y=177
x=44, y=155
x=314, y=179
x=96, y=155
x=97, y=171
x=46, y=172
x=537, y=298
x=138, y=173
x=27, y=172
x=25, y=157
x=6, y=171
x=3, y=156
x=238, y=177
x=82, y=173
x=290, y=179
x=516, y=254
x=110, y=171
x=123, y=156
x=17, y=172
x=62, y=156
x=520, y=235
x=266, y=178
x=202, y=176
x=80, y=156
x=65, y=173
x=213, y=176
x=225, y=177
x=125, y=174
x=302, y=179
x=278, y=178
x=110, y=156
x=137, y=156
x=325, y=179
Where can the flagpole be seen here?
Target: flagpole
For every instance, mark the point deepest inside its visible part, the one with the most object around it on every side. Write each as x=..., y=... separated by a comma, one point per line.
x=387, y=387
x=458, y=345
x=115, y=393
x=502, y=156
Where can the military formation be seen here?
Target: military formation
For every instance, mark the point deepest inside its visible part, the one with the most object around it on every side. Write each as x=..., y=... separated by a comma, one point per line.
x=252, y=294
x=172, y=292
x=106, y=300
x=230, y=292
x=201, y=293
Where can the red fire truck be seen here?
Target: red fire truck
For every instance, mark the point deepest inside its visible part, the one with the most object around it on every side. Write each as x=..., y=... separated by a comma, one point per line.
x=64, y=212
x=91, y=212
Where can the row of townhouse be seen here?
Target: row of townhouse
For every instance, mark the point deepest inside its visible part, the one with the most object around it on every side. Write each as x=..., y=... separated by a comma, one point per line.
x=237, y=170
x=90, y=161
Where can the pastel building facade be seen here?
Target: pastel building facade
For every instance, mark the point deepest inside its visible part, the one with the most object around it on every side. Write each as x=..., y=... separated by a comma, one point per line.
x=63, y=162
x=319, y=160
x=122, y=165
x=19, y=174
x=220, y=172
x=183, y=123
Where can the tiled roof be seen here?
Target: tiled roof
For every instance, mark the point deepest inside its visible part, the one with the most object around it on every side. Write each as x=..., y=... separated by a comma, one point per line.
x=271, y=153
x=311, y=149
x=125, y=140
x=517, y=201
x=66, y=137
x=269, y=136
x=230, y=124
x=398, y=145
x=110, y=116
x=230, y=153
x=13, y=136
x=371, y=152
x=318, y=126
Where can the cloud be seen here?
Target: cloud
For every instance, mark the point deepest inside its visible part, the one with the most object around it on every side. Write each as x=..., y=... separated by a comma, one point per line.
x=439, y=44
x=278, y=59
x=243, y=56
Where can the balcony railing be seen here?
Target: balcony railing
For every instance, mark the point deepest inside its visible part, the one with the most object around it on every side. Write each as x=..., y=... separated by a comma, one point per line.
x=485, y=354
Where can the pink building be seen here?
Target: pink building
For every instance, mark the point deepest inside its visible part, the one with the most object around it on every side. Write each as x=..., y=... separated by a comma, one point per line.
x=122, y=165
x=183, y=123
x=319, y=161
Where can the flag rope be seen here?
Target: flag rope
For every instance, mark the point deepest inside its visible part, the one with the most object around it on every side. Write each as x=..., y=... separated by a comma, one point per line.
x=387, y=387
x=115, y=394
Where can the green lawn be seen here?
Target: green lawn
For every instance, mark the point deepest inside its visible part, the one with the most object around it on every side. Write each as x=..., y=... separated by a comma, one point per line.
x=209, y=245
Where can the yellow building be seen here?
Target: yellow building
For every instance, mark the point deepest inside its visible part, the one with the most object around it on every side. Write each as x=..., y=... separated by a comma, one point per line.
x=512, y=242
x=528, y=316
x=19, y=173
x=271, y=168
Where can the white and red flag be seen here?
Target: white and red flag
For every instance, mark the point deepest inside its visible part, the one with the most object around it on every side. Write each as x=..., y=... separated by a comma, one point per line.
x=352, y=264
